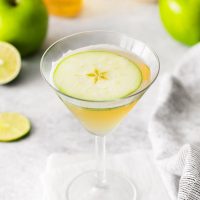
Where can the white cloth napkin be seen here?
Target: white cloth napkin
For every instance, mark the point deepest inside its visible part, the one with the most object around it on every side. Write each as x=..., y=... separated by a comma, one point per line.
x=138, y=166
x=175, y=129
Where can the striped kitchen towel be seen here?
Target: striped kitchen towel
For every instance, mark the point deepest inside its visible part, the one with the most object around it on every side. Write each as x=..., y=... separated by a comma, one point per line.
x=175, y=129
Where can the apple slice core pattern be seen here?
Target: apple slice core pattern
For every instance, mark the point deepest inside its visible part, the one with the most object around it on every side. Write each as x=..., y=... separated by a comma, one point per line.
x=97, y=76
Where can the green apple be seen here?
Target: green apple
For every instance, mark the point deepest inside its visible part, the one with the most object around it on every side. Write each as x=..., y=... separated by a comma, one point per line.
x=23, y=23
x=181, y=19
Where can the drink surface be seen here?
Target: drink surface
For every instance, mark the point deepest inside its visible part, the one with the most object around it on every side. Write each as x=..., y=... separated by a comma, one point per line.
x=97, y=74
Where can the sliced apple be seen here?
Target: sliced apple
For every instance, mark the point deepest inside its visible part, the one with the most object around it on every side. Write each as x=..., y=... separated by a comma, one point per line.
x=97, y=76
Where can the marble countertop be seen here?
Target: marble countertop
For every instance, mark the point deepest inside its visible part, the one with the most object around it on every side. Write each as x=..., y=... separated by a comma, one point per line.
x=53, y=127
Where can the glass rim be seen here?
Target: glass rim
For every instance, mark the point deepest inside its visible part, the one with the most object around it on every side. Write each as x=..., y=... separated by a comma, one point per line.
x=100, y=101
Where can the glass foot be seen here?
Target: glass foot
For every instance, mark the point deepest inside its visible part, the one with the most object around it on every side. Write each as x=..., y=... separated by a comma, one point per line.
x=87, y=187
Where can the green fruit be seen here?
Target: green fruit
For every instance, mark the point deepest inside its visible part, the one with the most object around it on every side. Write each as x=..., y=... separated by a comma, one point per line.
x=23, y=23
x=97, y=76
x=13, y=126
x=10, y=63
x=181, y=19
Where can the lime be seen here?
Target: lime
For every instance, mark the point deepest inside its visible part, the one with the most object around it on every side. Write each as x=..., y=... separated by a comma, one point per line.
x=13, y=126
x=10, y=63
x=97, y=75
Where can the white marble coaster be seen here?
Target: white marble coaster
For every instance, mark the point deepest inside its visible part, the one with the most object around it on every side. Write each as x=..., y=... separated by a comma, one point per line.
x=138, y=166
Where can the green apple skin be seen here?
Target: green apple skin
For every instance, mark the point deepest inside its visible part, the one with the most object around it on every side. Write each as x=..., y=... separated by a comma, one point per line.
x=24, y=24
x=181, y=19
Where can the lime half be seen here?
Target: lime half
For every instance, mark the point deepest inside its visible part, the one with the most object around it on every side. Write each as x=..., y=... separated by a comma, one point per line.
x=13, y=126
x=10, y=63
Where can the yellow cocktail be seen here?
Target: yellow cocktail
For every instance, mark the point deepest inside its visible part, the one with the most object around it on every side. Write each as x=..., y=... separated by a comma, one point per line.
x=100, y=76
x=102, y=121
x=97, y=70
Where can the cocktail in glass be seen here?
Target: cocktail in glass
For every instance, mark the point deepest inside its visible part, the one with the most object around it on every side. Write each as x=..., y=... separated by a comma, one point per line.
x=100, y=116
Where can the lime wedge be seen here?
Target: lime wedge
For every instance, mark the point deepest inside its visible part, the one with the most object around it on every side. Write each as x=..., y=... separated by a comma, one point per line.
x=10, y=63
x=97, y=75
x=13, y=126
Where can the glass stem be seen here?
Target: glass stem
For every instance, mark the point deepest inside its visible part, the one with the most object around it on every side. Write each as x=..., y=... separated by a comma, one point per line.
x=101, y=160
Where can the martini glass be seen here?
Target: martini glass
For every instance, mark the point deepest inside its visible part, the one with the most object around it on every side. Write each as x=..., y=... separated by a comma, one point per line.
x=100, y=117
